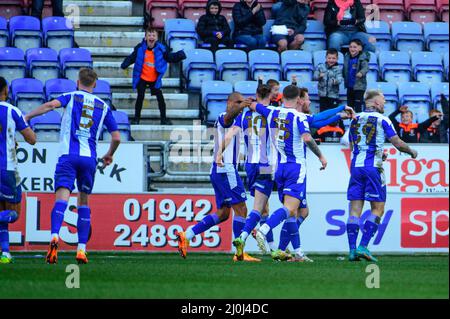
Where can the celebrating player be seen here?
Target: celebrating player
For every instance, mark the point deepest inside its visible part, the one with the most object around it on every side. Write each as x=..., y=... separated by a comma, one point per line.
x=11, y=120
x=367, y=183
x=83, y=118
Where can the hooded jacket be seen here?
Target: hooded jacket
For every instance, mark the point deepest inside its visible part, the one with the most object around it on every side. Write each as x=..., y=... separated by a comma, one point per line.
x=293, y=15
x=326, y=86
x=208, y=23
x=362, y=66
x=330, y=17
x=245, y=23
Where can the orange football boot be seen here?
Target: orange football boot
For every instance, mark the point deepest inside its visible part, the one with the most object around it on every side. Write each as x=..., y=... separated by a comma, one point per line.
x=52, y=254
x=182, y=243
x=247, y=257
x=81, y=256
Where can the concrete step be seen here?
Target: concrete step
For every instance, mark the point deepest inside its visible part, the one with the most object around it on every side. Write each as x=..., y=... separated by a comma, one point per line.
x=173, y=101
x=108, y=39
x=127, y=82
x=98, y=8
x=112, y=52
x=109, y=23
x=171, y=114
x=170, y=132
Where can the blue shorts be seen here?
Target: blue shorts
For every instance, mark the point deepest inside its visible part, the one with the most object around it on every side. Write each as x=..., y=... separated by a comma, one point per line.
x=367, y=183
x=291, y=180
x=257, y=180
x=10, y=190
x=71, y=168
x=228, y=188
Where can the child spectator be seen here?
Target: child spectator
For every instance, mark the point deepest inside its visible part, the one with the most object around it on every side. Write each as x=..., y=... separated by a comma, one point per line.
x=356, y=66
x=437, y=132
x=276, y=98
x=249, y=19
x=407, y=130
x=329, y=75
x=150, y=59
x=213, y=27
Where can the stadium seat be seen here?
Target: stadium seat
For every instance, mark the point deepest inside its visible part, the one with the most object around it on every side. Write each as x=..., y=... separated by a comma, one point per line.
x=446, y=70
x=11, y=8
x=390, y=94
x=58, y=33
x=342, y=93
x=268, y=35
x=407, y=36
x=421, y=11
x=181, y=34
x=427, y=66
x=442, y=10
x=318, y=8
x=436, y=90
x=12, y=63
x=56, y=87
x=390, y=10
x=372, y=76
x=436, y=36
x=265, y=63
x=198, y=67
x=25, y=32
x=246, y=88
x=299, y=63
x=313, y=93
x=283, y=84
x=381, y=31
x=394, y=66
x=232, y=65
x=123, y=125
x=214, y=98
x=47, y=126
x=27, y=94
x=192, y=9
x=320, y=57
x=72, y=60
x=103, y=91
x=417, y=97
x=161, y=11
x=3, y=32
x=42, y=64
x=315, y=38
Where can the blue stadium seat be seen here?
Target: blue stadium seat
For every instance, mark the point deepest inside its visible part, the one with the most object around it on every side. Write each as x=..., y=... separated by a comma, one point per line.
x=394, y=66
x=27, y=94
x=436, y=36
x=342, y=93
x=417, y=97
x=123, y=125
x=214, y=98
x=445, y=60
x=313, y=93
x=246, y=88
x=25, y=32
x=3, y=32
x=56, y=87
x=58, y=33
x=315, y=38
x=72, y=60
x=47, y=126
x=390, y=94
x=381, y=31
x=42, y=64
x=103, y=91
x=181, y=34
x=198, y=67
x=299, y=63
x=436, y=90
x=320, y=57
x=265, y=63
x=427, y=66
x=407, y=36
x=268, y=35
x=372, y=76
x=232, y=65
x=12, y=63
x=283, y=84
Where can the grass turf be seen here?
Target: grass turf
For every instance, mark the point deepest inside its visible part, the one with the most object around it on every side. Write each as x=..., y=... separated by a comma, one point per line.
x=125, y=275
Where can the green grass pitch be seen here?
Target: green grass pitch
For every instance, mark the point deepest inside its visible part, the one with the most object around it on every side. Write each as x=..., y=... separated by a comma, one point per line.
x=139, y=275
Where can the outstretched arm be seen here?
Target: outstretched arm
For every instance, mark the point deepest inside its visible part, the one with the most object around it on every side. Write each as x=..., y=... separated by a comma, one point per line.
x=44, y=108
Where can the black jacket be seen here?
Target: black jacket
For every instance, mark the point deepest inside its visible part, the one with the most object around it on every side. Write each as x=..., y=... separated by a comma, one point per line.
x=245, y=23
x=330, y=18
x=293, y=15
x=410, y=133
x=208, y=23
x=439, y=134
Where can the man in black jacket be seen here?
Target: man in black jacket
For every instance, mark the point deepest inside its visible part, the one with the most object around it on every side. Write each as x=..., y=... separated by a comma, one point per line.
x=249, y=19
x=438, y=130
x=344, y=21
x=213, y=27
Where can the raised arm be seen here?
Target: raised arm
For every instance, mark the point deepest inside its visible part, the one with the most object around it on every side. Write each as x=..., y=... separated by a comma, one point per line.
x=129, y=60
x=44, y=108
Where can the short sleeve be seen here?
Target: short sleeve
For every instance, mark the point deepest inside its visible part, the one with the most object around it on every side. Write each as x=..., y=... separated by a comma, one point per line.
x=18, y=118
x=110, y=122
x=64, y=99
x=388, y=128
x=303, y=126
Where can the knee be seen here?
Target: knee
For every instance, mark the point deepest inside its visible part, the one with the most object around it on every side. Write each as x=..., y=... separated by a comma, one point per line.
x=282, y=45
x=335, y=41
x=299, y=38
x=372, y=40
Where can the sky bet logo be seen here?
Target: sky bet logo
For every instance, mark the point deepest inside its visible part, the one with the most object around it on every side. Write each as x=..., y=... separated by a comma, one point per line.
x=338, y=218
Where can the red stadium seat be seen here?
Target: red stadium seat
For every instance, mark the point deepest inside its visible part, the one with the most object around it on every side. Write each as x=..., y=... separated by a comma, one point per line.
x=421, y=11
x=390, y=10
x=442, y=9
x=160, y=11
x=192, y=9
x=11, y=8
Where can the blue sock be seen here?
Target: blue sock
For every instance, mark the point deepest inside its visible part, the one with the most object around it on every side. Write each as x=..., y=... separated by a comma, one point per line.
x=4, y=237
x=205, y=224
x=284, y=237
x=269, y=236
x=277, y=217
x=238, y=225
x=83, y=224
x=8, y=216
x=370, y=228
x=292, y=231
x=58, y=215
x=300, y=221
x=251, y=221
x=352, y=231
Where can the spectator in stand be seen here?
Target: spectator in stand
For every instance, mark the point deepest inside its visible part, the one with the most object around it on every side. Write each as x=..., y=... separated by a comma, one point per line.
x=249, y=19
x=150, y=59
x=276, y=98
x=356, y=66
x=407, y=130
x=38, y=6
x=290, y=24
x=437, y=132
x=344, y=21
x=213, y=27
x=331, y=133
x=329, y=75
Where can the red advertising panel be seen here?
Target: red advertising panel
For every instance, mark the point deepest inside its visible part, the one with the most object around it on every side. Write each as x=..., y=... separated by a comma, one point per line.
x=131, y=222
x=424, y=222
